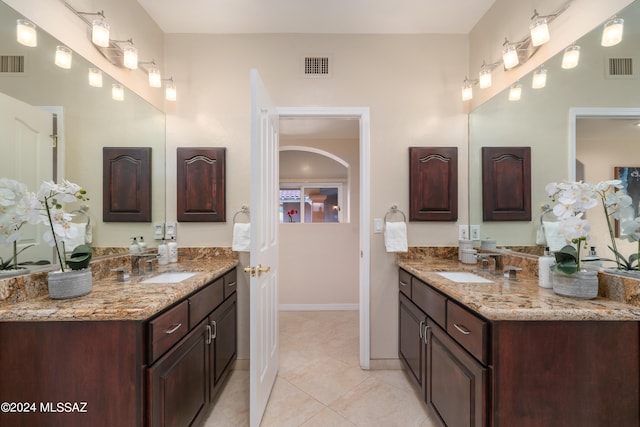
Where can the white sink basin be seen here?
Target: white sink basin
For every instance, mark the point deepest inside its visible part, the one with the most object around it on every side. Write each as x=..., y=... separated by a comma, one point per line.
x=463, y=277
x=170, y=277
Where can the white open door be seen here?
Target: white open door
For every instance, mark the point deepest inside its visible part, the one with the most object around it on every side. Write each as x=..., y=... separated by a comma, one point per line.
x=27, y=156
x=263, y=293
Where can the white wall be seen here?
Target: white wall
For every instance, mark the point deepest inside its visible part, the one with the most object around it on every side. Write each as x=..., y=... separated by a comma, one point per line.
x=410, y=83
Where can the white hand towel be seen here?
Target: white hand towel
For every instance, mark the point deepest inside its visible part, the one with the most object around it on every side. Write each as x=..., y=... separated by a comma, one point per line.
x=78, y=234
x=241, y=237
x=395, y=237
x=555, y=240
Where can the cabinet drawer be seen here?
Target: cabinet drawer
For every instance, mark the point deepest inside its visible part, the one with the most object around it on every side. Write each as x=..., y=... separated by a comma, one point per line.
x=230, y=283
x=205, y=300
x=168, y=328
x=429, y=300
x=469, y=330
x=404, y=283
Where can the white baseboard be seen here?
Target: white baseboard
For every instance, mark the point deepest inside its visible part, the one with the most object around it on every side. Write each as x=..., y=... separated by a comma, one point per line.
x=319, y=307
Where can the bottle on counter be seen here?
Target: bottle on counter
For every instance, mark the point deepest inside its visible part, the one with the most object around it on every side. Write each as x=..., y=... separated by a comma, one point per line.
x=134, y=248
x=142, y=244
x=173, y=250
x=163, y=253
x=593, y=259
x=545, y=262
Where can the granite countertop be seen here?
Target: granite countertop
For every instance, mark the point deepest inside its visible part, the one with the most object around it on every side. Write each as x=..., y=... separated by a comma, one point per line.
x=522, y=299
x=113, y=300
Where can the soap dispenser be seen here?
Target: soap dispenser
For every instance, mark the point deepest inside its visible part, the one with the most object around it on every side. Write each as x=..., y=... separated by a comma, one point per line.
x=545, y=263
x=134, y=248
x=142, y=244
x=173, y=250
x=163, y=253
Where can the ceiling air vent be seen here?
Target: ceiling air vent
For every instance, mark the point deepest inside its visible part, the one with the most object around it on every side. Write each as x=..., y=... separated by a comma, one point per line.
x=620, y=68
x=317, y=67
x=11, y=64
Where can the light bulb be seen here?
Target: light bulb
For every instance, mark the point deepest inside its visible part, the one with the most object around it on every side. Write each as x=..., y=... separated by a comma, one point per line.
x=130, y=57
x=95, y=77
x=26, y=33
x=467, y=91
x=510, y=56
x=117, y=92
x=170, y=92
x=484, y=78
x=539, y=79
x=571, y=57
x=63, y=57
x=155, y=79
x=100, y=33
x=539, y=31
x=515, y=92
x=612, y=33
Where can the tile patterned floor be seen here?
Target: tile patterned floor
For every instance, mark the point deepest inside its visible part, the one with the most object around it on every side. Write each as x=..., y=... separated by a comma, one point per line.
x=321, y=384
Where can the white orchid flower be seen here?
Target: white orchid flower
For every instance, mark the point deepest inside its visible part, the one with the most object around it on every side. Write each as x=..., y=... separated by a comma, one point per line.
x=574, y=227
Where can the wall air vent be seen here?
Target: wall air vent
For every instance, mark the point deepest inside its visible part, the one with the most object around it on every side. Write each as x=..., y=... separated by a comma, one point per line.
x=619, y=68
x=11, y=64
x=317, y=67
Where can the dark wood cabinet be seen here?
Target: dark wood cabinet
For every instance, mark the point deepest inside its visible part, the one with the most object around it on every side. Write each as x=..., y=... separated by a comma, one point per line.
x=506, y=183
x=201, y=184
x=433, y=183
x=478, y=372
x=126, y=184
x=224, y=326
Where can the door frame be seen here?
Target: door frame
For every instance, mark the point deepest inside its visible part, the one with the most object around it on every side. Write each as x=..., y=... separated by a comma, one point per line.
x=362, y=114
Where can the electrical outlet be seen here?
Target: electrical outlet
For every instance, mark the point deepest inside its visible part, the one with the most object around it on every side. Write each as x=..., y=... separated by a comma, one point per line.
x=475, y=232
x=377, y=225
x=158, y=230
x=171, y=231
x=463, y=232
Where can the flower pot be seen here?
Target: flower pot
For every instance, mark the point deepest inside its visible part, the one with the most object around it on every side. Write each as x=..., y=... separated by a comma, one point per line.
x=69, y=284
x=12, y=272
x=583, y=284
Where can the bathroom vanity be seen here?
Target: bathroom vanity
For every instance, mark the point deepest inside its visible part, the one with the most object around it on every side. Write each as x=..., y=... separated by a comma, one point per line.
x=509, y=353
x=127, y=354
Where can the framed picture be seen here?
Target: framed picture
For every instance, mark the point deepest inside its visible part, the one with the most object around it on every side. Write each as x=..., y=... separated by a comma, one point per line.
x=630, y=177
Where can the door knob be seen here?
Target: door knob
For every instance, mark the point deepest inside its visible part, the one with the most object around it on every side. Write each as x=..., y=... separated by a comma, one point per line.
x=259, y=269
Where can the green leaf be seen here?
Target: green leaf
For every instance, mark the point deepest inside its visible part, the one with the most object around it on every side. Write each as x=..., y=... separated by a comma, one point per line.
x=80, y=257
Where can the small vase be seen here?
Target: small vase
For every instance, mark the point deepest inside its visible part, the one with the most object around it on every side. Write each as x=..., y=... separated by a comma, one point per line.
x=582, y=284
x=69, y=284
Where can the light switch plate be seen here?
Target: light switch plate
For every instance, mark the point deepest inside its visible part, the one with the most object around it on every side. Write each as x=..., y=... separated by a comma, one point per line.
x=377, y=225
x=463, y=232
x=475, y=232
x=171, y=231
x=158, y=230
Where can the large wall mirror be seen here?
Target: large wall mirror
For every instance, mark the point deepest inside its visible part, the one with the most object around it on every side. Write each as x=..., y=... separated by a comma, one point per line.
x=88, y=120
x=547, y=120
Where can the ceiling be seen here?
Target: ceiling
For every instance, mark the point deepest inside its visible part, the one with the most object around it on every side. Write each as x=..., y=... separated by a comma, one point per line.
x=317, y=17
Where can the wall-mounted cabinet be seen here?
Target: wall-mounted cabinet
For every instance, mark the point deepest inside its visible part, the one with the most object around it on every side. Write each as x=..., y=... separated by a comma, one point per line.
x=433, y=183
x=506, y=183
x=201, y=185
x=126, y=184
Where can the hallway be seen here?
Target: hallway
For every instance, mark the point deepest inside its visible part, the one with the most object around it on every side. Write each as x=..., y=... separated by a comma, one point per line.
x=320, y=382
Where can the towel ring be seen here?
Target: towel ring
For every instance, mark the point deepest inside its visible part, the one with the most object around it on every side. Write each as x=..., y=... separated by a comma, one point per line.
x=243, y=210
x=393, y=210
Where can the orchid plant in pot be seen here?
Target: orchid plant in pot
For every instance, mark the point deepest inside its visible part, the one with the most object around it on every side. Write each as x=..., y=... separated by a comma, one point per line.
x=14, y=213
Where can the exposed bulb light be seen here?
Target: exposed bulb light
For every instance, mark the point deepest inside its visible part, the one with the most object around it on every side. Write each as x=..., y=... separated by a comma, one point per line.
x=515, y=92
x=170, y=91
x=95, y=77
x=130, y=57
x=26, y=33
x=484, y=78
x=155, y=79
x=100, y=33
x=612, y=33
x=571, y=57
x=117, y=92
x=539, y=30
x=539, y=79
x=63, y=57
x=467, y=90
x=510, y=55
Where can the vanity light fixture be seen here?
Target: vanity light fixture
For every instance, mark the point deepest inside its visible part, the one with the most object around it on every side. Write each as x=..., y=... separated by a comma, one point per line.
x=515, y=92
x=539, y=78
x=612, y=32
x=155, y=78
x=130, y=57
x=95, y=77
x=571, y=57
x=539, y=29
x=117, y=92
x=170, y=93
x=100, y=32
x=467, y=89
x=26, y=33
x=484, y=76
x=510, y=54
x=63, y=57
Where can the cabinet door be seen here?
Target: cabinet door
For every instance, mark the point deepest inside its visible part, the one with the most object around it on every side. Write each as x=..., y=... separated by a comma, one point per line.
x=179, y=382
x=412, y=324
x=224, y=325
x=456, y=388
x=201, y=185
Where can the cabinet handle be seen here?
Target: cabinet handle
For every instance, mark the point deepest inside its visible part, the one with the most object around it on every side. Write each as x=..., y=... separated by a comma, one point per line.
x=403, y=284
x=231, y=284
x=421, y=325
x=172, y=330
x=215, y=329
x=208, y=334
x=462, y=329
x=426, y=335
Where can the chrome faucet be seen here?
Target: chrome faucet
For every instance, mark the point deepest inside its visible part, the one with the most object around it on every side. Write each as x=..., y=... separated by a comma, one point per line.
x=143, y=263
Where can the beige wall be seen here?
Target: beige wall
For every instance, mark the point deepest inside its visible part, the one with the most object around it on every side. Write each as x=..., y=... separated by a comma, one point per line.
x=412, y=93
